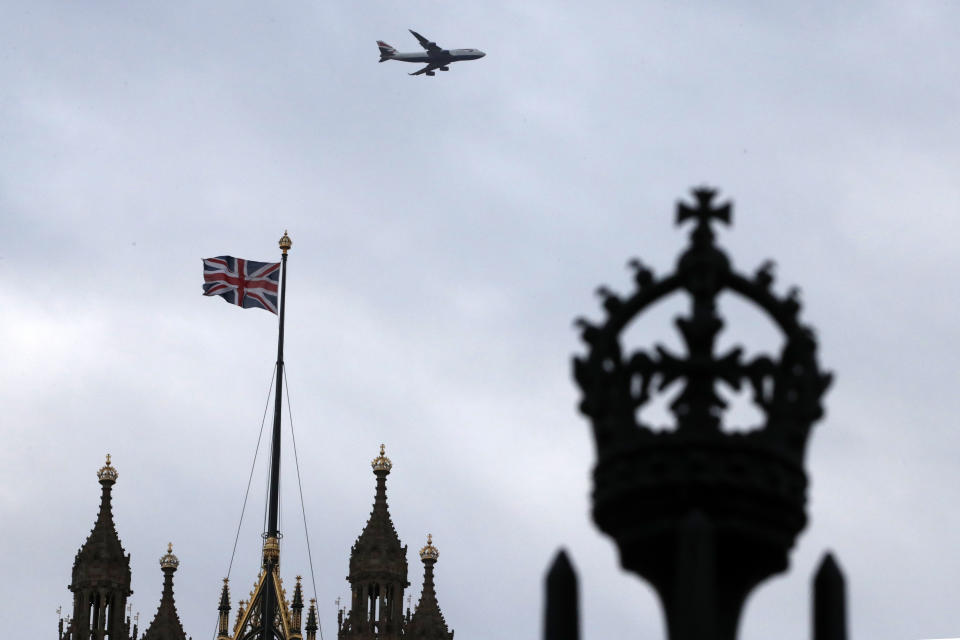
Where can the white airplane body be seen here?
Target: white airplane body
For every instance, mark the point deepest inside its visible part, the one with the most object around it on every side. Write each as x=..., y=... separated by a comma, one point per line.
x=433, y=56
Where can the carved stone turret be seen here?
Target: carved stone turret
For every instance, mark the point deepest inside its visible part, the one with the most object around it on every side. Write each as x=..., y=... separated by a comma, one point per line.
x=101, y=575
x=427, y=622
x=378, y=570
x=166, y=623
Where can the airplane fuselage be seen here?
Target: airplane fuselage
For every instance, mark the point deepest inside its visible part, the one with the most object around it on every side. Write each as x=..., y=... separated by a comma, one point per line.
x=443, y=57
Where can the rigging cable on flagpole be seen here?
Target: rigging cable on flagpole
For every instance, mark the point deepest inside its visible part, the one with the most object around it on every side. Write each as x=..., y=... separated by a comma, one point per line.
x=246, y=495
x=266, y=489
x=253, y=466
x=303, y=508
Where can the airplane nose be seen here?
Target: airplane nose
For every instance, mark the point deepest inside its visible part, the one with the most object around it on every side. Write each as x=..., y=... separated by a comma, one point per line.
x=481, y=53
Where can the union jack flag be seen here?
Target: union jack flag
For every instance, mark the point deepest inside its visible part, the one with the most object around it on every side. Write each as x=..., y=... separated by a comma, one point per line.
x=244, y=283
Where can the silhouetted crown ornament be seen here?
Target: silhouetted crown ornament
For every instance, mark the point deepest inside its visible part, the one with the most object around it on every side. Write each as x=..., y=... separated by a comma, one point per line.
x=107, y=472
x=285, y=242
x=168, y=560
x=429, y=552
x=382, y=462
x=700, y=486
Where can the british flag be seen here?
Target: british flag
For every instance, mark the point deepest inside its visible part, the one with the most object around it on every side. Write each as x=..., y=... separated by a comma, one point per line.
x=244, y=283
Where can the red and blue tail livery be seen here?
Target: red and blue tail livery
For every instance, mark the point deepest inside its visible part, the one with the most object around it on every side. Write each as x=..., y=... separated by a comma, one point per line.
x=244, y=283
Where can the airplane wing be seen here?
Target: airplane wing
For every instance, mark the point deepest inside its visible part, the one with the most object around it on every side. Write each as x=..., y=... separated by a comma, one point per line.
x=427, y=69
x=426, y=44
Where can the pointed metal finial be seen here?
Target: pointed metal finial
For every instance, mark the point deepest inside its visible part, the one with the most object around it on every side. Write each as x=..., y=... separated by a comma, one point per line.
x=562, y=614
x=829, y=601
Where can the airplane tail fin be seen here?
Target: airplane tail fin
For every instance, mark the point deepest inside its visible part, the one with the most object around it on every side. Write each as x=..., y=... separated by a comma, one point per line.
x=386, y=51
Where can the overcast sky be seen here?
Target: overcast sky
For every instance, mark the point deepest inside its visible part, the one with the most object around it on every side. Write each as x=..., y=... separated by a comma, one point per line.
x=446, y=232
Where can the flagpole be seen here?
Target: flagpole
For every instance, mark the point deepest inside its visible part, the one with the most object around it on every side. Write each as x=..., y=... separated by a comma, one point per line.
x=271, y=545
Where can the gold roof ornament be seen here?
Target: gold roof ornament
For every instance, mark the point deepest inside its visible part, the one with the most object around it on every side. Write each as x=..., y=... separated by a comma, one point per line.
x=107, y=472
x=169, y=561
x=429, y=552
x=382, y=462
x=271, y=549
x=285, y=242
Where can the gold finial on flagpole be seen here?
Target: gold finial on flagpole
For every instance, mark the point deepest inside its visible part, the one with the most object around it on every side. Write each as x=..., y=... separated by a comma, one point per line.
x=285, y=242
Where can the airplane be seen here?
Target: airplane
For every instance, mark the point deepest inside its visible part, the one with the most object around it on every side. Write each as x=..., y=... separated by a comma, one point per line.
x=435, y=57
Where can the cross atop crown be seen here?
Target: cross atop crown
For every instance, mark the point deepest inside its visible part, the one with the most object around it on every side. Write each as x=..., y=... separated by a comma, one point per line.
x=704, y=211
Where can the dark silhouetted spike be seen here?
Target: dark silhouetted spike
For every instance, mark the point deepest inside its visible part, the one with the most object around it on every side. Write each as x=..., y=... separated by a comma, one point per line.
x=562, y=615
x=829, y=601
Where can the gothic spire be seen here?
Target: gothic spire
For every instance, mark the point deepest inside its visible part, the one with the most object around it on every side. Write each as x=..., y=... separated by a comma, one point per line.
x=101, y=575
x=101, y=561
x=166, y=624
x=296, y=608
x=223, y=618
x=378, y=543
x=427, y=622
x=312, y=625
x=378, y=570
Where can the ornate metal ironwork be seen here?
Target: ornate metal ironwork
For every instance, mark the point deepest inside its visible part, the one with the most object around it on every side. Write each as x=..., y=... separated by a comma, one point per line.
x=702, y=513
